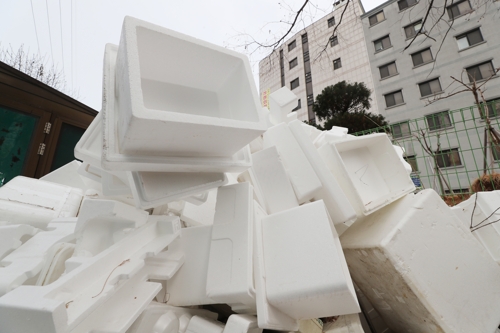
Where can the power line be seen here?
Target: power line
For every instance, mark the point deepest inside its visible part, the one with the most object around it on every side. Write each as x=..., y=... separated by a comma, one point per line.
x=60, y=24
x=50, y=35
x=36, y=32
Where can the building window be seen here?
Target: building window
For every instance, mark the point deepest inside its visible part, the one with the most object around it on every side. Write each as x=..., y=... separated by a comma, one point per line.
x=293, y=63
x=337, y=64
x=310, y=99
x=382, y=43
x=308, y=77
x=331, y=22
x=298, y=106
x=430, y=87
x=448, y=158
x=376, y=18
x=438, y=120
x=294, y=84
x=413, y=29
x=459, y=9
x=480, y=72
x=421, y=57
x=401, y=130
x=403, y=4
x=469, y=39
x=292, y=45
x=306, y=56
x=394, y=98
x=388, y=70
x=412, y=160
x=304, y=38
x=334, y=41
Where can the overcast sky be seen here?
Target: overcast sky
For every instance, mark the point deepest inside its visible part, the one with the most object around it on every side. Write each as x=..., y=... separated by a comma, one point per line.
x=74, y=32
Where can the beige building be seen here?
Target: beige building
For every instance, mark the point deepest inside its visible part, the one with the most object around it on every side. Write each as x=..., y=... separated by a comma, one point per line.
x=315, y=58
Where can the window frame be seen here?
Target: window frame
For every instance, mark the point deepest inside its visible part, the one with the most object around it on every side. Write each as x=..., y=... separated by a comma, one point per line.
x=293, y=63
x=493, y=111
x=292, y=45
x=404, y=134
x=393, y=93
x=296, y=80
x=419, y=53
x=407, y=5
x=337, y=63
x=334, y=41
x=442, y=152
x=492, y=69
x=438, y=126
x=412, y=161
x=382, y=44
x=432, y=93
x=375, y=16
x=455, y=5
x=387, y=65
x=331, y=21
x=466, y=36
x=412, y=25
x=305, y=38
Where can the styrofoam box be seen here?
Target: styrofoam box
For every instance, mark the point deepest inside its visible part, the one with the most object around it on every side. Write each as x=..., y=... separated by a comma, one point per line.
x=368, y=170
x=199, y=324
x=339, y=207
x=281, y=103
x=171, y=85
x=480, y=212
x=421, y=268
x=242, y=324
x=114, y=160
x=306, y=273
x=230, y=266
x=36, y=202
x=304, y=180
x=197, y=215
x=152, y=189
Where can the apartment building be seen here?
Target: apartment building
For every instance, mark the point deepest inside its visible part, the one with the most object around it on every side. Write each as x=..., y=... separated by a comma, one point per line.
x=315, y=58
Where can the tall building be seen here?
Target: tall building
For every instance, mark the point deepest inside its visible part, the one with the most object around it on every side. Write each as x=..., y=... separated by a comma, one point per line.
x=314, y=58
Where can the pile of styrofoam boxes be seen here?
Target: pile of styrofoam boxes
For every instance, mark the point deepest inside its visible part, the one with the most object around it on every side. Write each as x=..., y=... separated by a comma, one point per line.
x=190, y=194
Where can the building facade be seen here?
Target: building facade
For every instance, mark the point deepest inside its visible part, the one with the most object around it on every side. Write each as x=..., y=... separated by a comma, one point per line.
x=315, y=58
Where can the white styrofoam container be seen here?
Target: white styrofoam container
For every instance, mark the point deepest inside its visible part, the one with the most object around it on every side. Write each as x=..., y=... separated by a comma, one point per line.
x=36, y=202
x=421, y=268
x=339, y=207
x=114, y=160
x=108, y=290
x=268, y=316
x=304, y=180
x=230, y=266
x=272, y=181
x=28, y=260
x=478, y=214
x=112, y=183
x=188, y=286
x=68, y=175
x=197, y=215
x=281, y=103
x=162, y=104
x=199, y=324
x=13, y=235
x=54, y=266
x=305, y=269
x=152, y=189
x=368, y=170
x=242, y=324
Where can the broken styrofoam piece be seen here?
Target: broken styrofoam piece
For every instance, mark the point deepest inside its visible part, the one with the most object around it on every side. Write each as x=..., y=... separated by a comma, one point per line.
x=281, y=103
x=401, y=153
x=242, y=324
x=311, y=131
x=305, y=237
x=304, y=180
x=345, y=324
x=310, y=326
x=114, y=160
x=368, y=170
x=479, y=213
x=268, y=316
x=199, y=324
x=55, y=267
x=28, y=260
x=272, y=182
x=422, y=269
x=230, y=265
x=68, y=175
x=339, y=207
x=36, y=202
x=14, y=235
x=160, y=101
x=158, y=317
x=105, y=284
x=188, y=286
x=197, y=215
x=152, y=189
x=118, y=313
